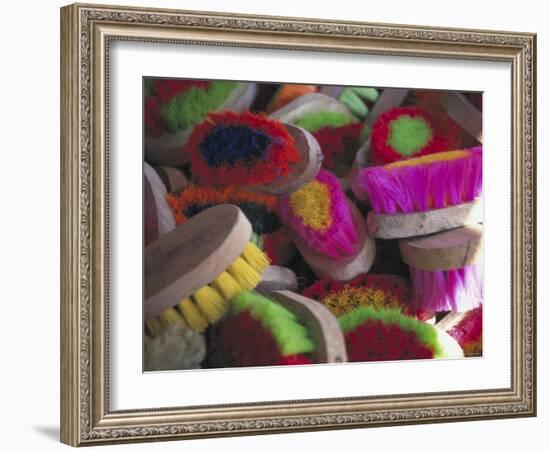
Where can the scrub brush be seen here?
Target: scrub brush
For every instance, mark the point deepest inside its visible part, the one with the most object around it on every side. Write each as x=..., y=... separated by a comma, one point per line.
x=194, y=270
x=252, y=150
x=259, y=209
x=423, y=195
x=402, y=133
x=446, y=270
x=173, y=106
x=469, y=332
x=327, y=228
x=260, y=332
x=388, y=335
x=379, y=291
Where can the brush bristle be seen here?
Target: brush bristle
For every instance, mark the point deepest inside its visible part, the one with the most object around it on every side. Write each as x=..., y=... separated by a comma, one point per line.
x=211, y=304
x=258, y=208
x=241, y=149
x=245, y=274
x=469, y=332
x=257, y=259
x=226, y=285
x=192, y=315
x=320, y=214
x=155, y=327
x=419, y=184
x=402, y=133
x=387, y=334
x=291, y=336
x=172, y=317
x=450, y=290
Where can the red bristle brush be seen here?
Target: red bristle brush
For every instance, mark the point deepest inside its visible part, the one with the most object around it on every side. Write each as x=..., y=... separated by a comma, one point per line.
x=446, y=269
x=327, y=228
x=282, y=329
x=403, y=133
x=252, y=150
x=468, y=332
x=389, y=335
x=380, y=291
x=422, y=195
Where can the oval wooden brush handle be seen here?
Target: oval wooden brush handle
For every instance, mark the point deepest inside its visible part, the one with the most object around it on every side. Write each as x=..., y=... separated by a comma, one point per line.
x=157, y=194
x=277, y=278
x=330, y=346
x=347, y=267
x=444, y=251
x=192, y=255
x=304, y=171
x=174, y=179
x=420, y=223
x=460, y=109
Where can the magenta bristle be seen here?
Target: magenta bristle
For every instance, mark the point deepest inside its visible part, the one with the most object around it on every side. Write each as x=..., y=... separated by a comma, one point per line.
x=421, y=187
x=450, y=290
x=339, y=238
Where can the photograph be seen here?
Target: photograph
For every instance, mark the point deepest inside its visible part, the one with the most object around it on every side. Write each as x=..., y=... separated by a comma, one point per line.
x=283, y=224
x=293, y=224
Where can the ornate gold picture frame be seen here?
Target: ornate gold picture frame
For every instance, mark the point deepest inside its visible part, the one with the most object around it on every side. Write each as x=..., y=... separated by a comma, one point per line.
x=87, y=32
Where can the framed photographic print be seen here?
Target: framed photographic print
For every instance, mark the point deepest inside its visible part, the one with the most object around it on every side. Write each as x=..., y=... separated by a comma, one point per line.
x=276, y=225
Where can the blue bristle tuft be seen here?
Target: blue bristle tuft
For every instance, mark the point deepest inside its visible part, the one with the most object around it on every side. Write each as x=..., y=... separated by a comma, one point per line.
x=232, y=144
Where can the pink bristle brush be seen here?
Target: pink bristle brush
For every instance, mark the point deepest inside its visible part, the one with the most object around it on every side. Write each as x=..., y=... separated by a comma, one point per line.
x=319, y=212
x=423, y=195
x=446, y=270
x=327, y=228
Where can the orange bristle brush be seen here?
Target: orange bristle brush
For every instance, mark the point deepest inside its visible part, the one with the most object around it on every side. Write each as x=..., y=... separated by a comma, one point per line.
x=192, y=271
x=422, y=195
x=247, y=150
x=288, y=92
x=258, y=208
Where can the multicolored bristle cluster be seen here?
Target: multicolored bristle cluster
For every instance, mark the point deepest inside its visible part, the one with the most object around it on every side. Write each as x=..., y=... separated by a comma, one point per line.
x=179, y=104
x=208, y=304
x=241, y=149
x=387, y=335
x=338, y=137
x=260, y=332
x=468, y=333
x=259, y=209
x=378, y=291
x=423, y=183
x=447, y=290
x=403, y=133
x=320, y=214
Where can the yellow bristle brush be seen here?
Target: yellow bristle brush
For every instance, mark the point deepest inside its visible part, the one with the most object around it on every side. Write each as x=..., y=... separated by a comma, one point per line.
x=192, y=271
